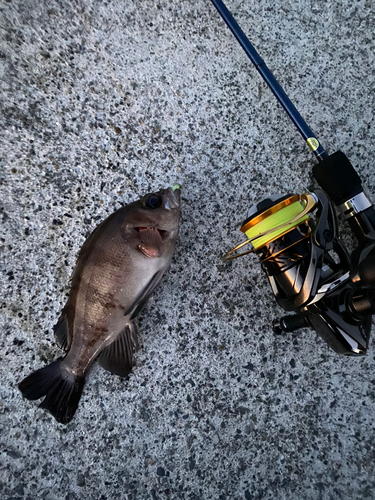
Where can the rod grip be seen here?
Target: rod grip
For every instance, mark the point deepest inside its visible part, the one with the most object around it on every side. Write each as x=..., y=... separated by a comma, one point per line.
x=337, y=177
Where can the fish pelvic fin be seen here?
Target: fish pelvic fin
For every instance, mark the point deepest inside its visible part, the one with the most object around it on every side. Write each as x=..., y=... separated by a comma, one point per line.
x=118, y=357
x=62, y=390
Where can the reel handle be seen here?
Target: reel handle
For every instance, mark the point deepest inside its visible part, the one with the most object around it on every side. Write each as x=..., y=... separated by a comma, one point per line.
x=363, y=303
x=290, y=323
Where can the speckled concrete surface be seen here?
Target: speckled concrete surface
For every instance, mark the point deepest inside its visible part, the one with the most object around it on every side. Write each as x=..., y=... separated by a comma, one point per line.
x=104, y=101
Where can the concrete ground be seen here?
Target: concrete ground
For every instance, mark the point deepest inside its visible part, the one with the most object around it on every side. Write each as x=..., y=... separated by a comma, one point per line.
x=104, y=101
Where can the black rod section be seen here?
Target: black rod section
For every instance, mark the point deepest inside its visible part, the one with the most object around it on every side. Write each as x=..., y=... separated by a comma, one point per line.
x=271, y=81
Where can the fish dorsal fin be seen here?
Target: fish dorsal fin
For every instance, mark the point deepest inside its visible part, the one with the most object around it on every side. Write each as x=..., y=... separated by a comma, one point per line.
x=118, y=357
x=61, y=331
x=143, y=297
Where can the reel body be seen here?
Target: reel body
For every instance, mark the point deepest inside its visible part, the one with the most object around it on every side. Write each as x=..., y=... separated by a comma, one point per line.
x=310, y=272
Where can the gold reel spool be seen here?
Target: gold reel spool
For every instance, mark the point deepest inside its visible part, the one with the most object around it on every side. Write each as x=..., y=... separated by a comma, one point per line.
x=307, y=202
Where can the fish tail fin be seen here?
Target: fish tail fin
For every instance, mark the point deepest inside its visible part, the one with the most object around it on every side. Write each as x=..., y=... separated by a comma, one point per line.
x=62, y=390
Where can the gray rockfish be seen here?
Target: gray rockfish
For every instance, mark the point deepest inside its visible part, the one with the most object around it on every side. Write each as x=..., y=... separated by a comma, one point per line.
x=118, y=267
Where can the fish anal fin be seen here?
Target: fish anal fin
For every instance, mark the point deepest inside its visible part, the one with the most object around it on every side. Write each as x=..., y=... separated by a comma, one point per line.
x=118, y=357
x=61, y=332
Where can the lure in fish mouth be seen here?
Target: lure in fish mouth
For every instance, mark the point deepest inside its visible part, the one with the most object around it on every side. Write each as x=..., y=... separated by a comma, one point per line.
x=118, y=268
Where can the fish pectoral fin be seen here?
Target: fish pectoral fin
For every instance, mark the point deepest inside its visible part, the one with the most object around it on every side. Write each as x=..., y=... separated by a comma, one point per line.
x=61, y=331
x=118, y=357
x=143, y=297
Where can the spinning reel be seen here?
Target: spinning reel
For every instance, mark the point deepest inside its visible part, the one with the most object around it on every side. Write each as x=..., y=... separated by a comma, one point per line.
x=296, y=239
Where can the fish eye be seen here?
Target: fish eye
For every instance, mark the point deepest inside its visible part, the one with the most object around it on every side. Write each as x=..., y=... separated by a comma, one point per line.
x=151, y=201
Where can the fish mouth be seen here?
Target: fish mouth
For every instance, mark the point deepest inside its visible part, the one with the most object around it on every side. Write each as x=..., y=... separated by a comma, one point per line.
x=151, y=241
x=162, y=232
x=173, y=197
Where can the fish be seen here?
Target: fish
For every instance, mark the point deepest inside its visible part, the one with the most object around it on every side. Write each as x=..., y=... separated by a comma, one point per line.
x=118, y=267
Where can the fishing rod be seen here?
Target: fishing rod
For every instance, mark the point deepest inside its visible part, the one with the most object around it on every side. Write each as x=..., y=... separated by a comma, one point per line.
x=295, y=237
